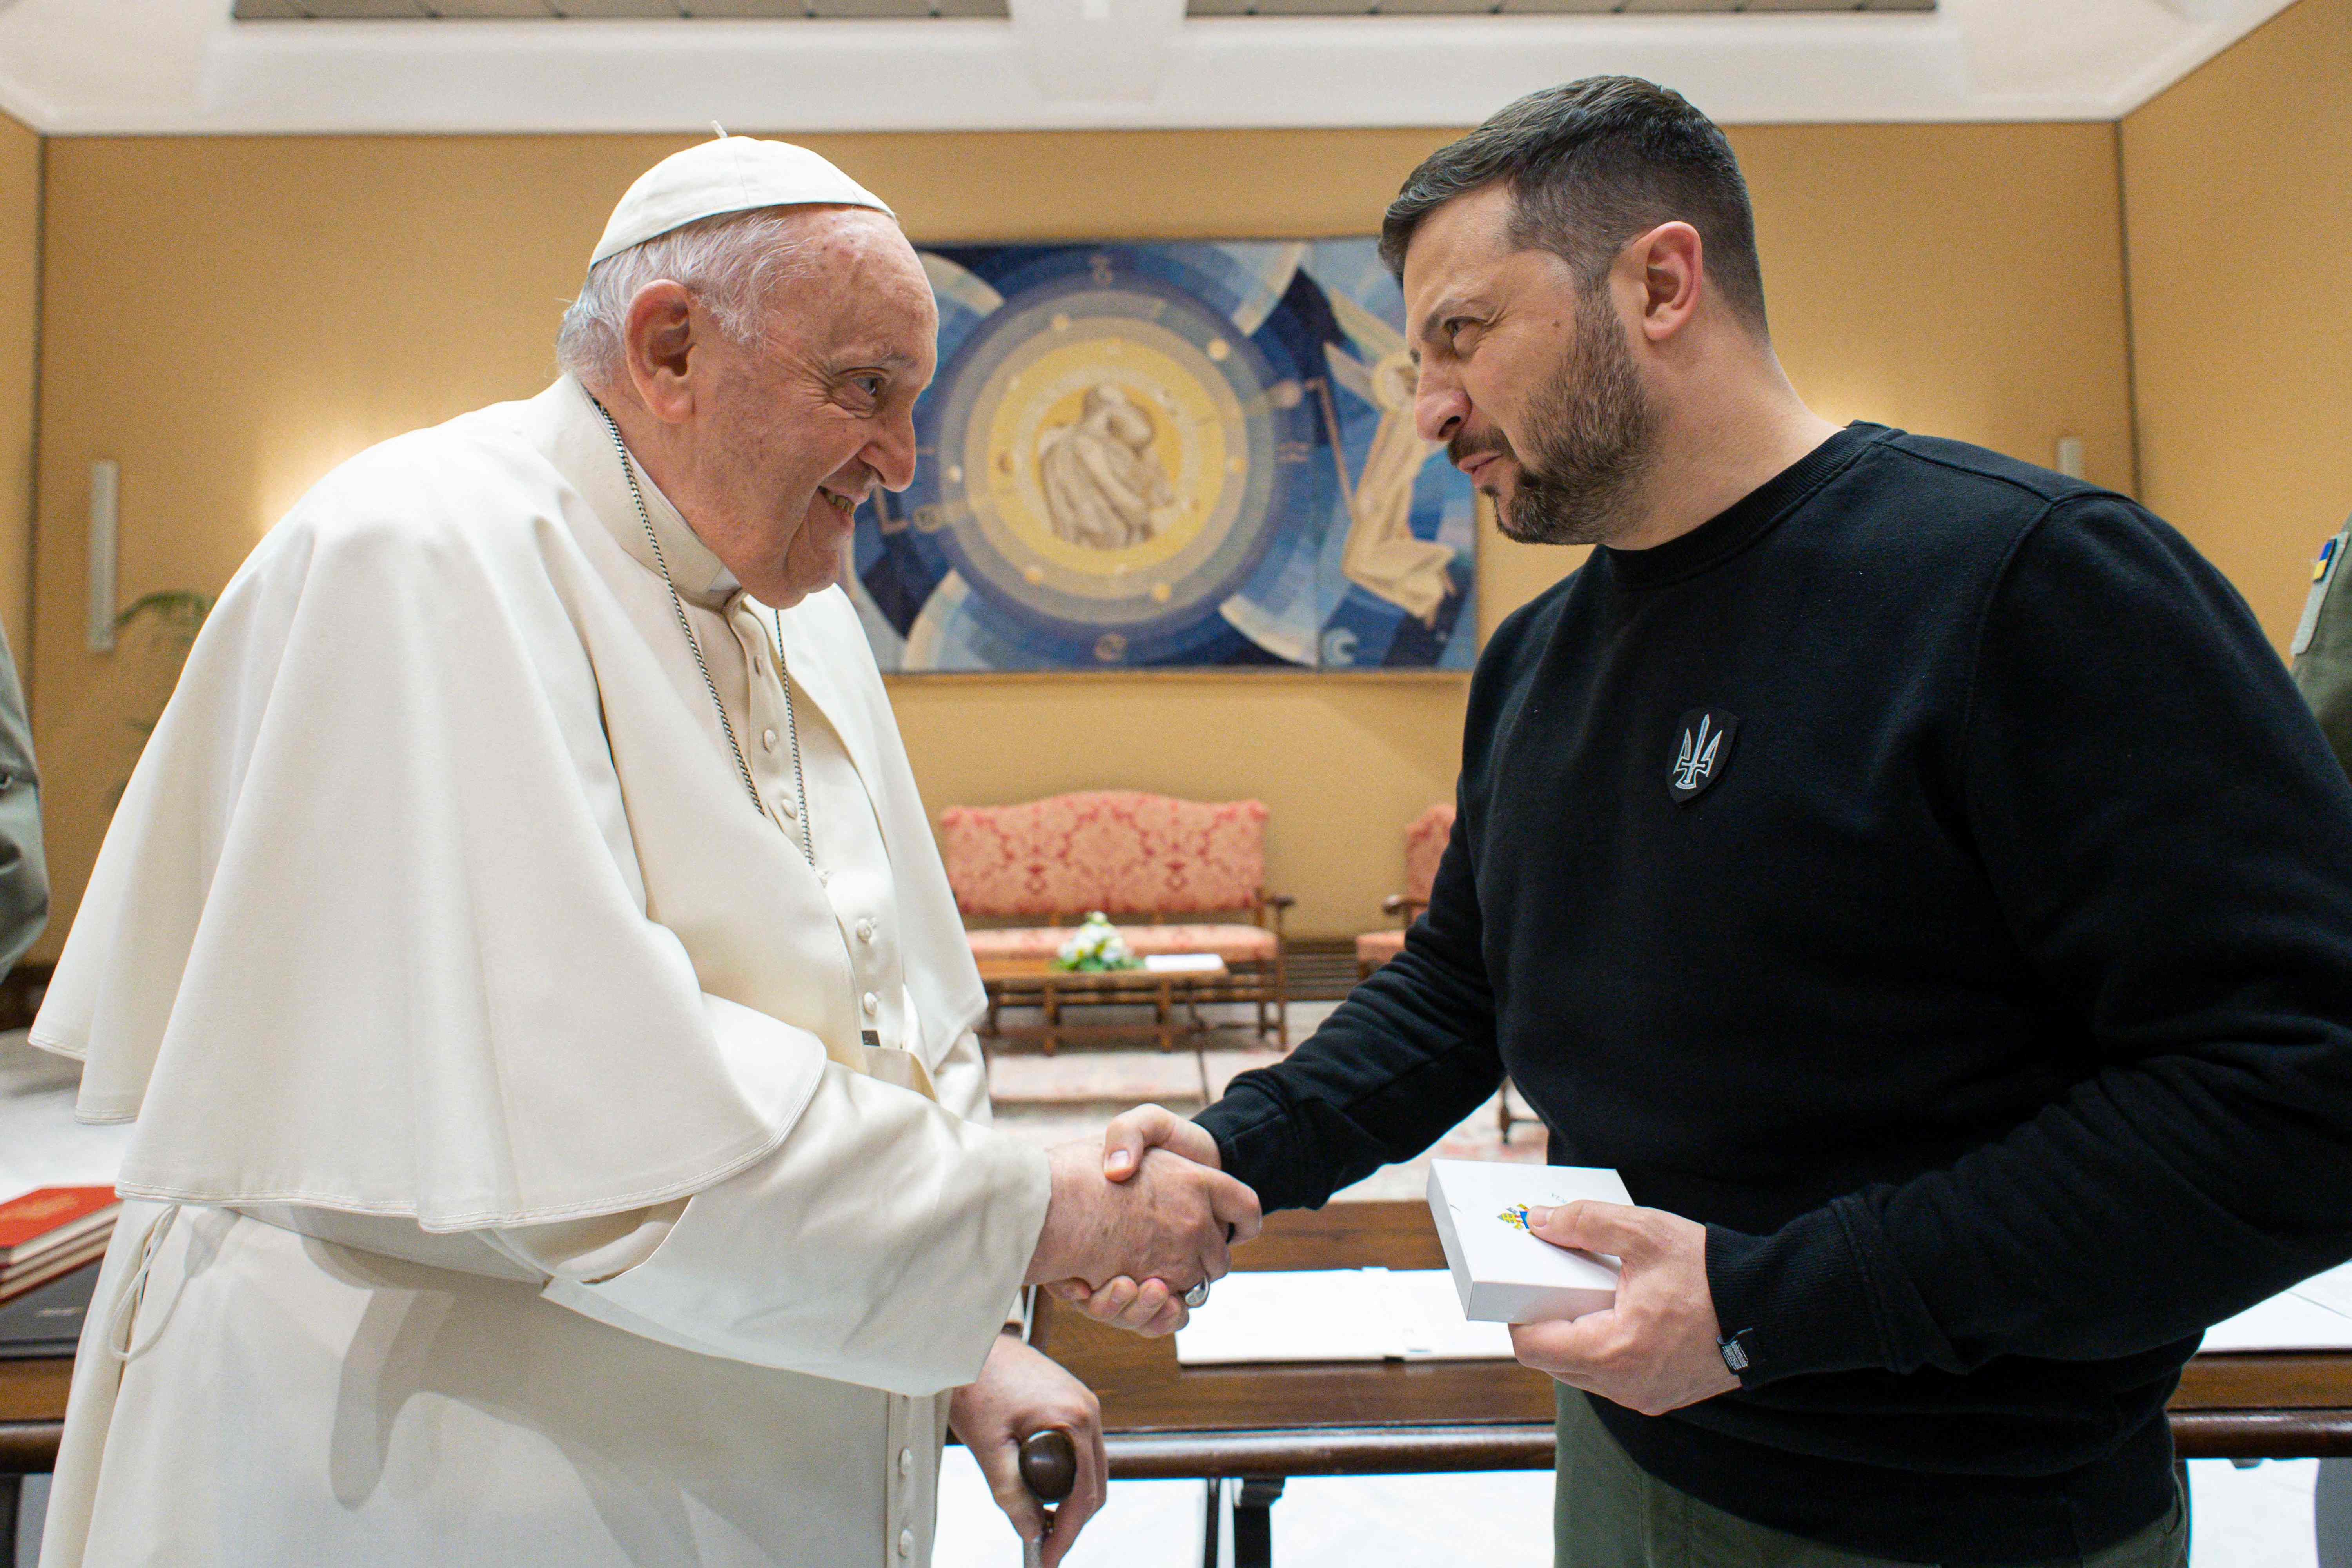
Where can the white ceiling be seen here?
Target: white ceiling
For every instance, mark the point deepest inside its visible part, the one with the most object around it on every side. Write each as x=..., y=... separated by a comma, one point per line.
x=95, y=67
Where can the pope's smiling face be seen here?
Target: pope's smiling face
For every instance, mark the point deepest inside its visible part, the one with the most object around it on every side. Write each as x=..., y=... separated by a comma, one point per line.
x=767, y=437
x=805, y=420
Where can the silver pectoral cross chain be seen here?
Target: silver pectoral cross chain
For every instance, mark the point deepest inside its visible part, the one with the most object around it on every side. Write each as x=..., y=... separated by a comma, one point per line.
x=775, y=628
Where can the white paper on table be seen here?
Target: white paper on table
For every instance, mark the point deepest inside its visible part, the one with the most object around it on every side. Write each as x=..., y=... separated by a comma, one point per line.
x=2292, y=1321
x=1430, y=1313
x=1181, y=963
x=1324, y=1314
x=1337, y=1314
x=2332, y=1290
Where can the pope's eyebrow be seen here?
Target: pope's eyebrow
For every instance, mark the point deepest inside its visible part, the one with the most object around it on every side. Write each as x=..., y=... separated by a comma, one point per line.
x=872, y=356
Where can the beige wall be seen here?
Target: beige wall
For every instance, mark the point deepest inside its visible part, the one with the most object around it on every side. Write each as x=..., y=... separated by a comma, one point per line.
x=2237, y=188
x=20, y=278
x=229, y=317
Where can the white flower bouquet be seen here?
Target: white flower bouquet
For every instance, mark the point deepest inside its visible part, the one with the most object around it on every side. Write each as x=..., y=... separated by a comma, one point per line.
x=1096, y=946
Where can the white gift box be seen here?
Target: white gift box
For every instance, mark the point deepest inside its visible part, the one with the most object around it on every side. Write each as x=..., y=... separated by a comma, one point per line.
x=1503, y=1274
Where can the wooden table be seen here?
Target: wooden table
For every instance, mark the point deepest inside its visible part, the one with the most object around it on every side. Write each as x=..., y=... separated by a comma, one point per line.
x=32, y=1414
x=1040, y=983
x=1263, y=1424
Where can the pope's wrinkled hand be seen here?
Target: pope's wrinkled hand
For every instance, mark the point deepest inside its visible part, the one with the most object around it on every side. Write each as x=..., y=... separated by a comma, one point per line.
x=1171, y=1221
x=1020, y=1390
x=1151, y=1308
x=1658, y=1349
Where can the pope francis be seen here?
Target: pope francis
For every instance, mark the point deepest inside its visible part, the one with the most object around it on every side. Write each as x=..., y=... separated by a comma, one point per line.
x=560, y=1133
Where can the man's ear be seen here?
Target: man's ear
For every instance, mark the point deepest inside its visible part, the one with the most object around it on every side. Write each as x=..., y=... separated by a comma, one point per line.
x=658, y=345
x=1670, y=259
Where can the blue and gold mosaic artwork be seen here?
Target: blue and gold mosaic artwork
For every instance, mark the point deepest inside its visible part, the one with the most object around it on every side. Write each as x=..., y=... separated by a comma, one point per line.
x=1170, y=455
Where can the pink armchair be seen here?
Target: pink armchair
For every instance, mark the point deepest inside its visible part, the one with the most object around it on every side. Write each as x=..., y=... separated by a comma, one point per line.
x=1425, y=847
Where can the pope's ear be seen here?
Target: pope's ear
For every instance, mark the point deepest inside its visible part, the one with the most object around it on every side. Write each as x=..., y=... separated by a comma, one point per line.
x=657, y=342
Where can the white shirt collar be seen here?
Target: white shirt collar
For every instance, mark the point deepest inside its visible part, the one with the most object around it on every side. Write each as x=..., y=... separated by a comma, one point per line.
x=697, y=572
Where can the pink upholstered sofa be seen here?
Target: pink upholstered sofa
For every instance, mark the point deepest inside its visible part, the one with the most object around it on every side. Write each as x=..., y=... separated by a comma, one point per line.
x=1160, y=867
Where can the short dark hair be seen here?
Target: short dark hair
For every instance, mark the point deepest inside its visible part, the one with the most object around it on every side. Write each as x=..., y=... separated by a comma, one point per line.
x=1590, y=166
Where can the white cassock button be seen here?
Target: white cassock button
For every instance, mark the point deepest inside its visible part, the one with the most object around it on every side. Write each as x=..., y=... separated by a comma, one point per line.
x=865, y=931
x=906, y=1543
x=872, y=1003
x=768, y=738
x=906, y=1461
x=824, y=879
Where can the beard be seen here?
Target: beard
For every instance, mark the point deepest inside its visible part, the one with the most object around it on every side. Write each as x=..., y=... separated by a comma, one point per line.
x=1591, y=436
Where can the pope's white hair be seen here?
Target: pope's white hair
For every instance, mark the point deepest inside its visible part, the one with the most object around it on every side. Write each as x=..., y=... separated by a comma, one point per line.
x=729, y=262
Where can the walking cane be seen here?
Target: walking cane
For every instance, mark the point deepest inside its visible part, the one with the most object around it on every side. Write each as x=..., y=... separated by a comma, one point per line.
x=1049, y=1467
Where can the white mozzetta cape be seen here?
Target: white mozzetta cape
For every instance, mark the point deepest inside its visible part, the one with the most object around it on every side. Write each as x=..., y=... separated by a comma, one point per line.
x=435, y=893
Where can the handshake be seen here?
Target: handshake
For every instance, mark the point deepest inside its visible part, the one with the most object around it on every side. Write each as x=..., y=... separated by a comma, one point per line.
x=1139, y=1220
x=1136, y=1221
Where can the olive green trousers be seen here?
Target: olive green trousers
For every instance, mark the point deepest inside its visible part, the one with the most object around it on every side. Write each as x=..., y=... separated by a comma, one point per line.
x=1609, y=1512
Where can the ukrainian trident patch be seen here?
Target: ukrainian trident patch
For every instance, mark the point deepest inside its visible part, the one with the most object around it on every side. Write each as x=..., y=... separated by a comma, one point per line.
x=1702, y=751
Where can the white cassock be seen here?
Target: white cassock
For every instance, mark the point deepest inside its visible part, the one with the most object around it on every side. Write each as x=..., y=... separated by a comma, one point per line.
x=540, y=1162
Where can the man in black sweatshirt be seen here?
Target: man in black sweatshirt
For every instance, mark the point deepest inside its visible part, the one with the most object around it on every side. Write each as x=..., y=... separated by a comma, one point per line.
x=1912, y=870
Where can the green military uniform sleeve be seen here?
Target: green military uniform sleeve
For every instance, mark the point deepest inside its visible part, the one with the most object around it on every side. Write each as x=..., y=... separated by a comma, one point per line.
x=2323, y=649
x=23, y=869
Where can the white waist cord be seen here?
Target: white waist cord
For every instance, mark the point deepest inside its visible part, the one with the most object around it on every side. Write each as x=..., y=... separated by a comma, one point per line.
x=121, y=1318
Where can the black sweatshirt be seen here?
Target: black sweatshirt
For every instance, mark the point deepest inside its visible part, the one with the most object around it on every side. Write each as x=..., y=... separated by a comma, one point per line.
x=1988, y=992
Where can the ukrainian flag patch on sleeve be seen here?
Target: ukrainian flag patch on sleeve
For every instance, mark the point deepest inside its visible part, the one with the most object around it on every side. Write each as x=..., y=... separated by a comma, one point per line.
x=2323, y=573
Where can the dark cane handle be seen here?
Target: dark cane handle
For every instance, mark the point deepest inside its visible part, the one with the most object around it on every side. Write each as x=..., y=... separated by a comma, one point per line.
x=1049, y=1464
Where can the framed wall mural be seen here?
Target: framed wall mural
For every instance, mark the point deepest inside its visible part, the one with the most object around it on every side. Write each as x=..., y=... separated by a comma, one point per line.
x=1170, y=456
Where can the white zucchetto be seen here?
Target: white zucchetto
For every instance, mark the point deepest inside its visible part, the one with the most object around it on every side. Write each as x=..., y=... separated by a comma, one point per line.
x=728, y=175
